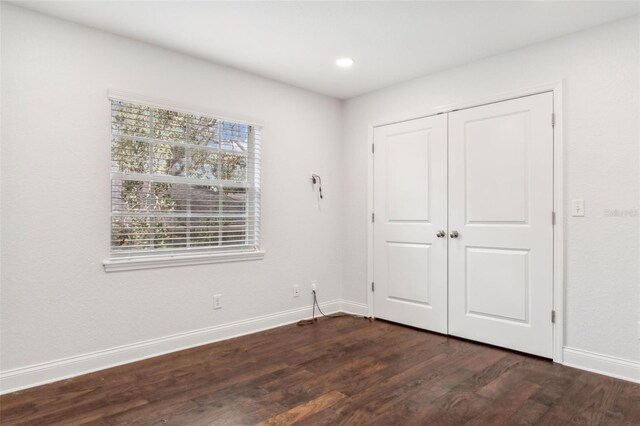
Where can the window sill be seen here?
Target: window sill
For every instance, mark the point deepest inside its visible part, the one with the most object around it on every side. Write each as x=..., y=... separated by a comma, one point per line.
x=152, y=262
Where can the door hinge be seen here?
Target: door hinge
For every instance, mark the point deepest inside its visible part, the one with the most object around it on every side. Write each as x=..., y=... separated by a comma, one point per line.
x=373, y=286
x=373, y=148
x=553, y=317
x=553, y=119
x=373, y=217
x=553, y=218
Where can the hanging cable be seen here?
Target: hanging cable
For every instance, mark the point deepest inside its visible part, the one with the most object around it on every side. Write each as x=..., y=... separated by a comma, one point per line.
x=316, y=179
x=314, y=319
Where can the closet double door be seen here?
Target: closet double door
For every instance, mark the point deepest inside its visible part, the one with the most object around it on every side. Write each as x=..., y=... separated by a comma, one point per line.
x=463, y=231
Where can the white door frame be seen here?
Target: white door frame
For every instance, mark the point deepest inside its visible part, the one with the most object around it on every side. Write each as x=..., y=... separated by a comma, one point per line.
x=558, y=195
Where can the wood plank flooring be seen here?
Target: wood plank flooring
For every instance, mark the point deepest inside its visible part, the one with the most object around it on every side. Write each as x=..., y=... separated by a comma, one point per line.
x=337, y=371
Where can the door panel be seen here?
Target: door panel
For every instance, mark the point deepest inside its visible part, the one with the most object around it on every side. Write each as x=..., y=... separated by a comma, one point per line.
x=496, y=169
x=410, y=203
x=407, y=163
x=497, y=272
x=500, y=203
x=409, y=272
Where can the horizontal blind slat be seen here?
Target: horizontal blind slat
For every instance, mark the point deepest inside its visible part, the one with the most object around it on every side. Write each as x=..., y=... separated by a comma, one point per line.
x=234, y=248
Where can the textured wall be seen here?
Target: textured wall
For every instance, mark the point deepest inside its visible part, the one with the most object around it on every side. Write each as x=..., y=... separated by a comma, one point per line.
x=56, y=299
x=601, y=74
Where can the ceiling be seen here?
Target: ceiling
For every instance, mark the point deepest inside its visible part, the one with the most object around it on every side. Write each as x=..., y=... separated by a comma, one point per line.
x=298, y=42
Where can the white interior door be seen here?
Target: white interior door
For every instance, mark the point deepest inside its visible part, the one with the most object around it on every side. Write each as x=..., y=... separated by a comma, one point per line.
x=500, y=204
x=410, y=205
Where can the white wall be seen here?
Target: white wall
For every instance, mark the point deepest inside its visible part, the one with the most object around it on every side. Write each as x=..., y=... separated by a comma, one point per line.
x=601, y=75
x=57, y=301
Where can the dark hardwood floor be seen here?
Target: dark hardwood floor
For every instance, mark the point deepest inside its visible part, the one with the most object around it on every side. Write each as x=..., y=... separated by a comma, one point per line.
x=338, y=371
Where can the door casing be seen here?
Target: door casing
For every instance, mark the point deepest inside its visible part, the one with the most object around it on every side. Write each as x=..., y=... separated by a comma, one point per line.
x=558, y=189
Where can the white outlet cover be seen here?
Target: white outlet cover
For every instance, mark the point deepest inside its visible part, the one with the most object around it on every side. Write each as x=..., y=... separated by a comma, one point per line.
x=217, y=301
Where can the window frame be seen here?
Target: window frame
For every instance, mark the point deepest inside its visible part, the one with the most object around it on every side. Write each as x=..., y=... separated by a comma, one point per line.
x=204, y=255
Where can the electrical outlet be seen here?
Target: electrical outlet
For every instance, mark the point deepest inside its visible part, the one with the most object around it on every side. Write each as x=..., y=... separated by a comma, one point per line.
x=296, y=290
x=577, y=207
x=314, y=285
x=217, y=301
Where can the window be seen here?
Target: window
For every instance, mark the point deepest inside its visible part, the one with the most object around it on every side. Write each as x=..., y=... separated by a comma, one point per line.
x=182, y=185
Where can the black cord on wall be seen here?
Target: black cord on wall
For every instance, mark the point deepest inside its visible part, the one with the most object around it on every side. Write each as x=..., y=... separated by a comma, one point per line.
x=316, y=179
x=316, y=304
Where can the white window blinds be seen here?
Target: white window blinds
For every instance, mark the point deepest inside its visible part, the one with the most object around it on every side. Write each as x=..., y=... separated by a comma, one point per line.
x=182, y=183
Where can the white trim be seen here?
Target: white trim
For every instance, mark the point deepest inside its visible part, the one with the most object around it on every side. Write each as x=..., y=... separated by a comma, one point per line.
x=153, y=261
x=505, y=96
x=115, y=94
x=354, y=308
x=370, y=200
x=558, y=191
x=558, y=228
x=47, y=372
x=602, y=364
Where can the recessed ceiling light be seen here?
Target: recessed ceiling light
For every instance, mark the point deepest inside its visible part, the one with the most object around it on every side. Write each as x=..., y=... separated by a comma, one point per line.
x=344, y=62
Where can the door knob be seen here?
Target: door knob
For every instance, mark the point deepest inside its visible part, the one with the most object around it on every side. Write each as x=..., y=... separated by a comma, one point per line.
x=441, y=234
x=454, y=234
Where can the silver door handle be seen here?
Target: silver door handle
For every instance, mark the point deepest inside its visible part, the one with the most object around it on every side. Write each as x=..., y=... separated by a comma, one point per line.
x=441, y=234
x=454, y=234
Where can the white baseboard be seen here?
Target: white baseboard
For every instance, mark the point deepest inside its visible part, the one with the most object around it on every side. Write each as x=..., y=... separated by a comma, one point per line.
x=51, y=371
x=602, y=364
x=354, y=308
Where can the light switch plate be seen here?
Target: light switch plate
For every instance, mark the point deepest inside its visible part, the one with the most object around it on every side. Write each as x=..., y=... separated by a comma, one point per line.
x=577, y=207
